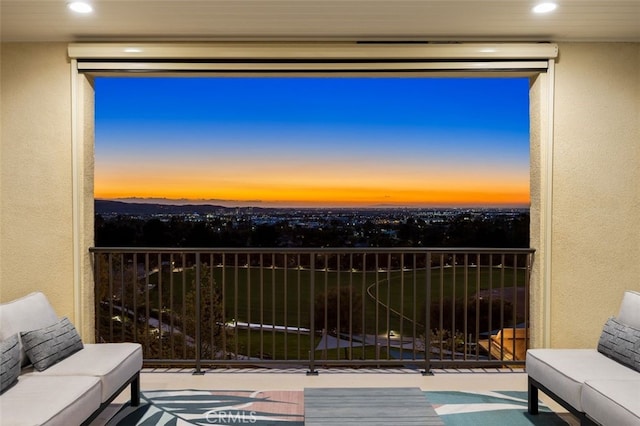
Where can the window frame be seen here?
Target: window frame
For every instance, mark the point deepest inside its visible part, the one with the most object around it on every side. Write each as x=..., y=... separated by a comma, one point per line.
x=533, y=60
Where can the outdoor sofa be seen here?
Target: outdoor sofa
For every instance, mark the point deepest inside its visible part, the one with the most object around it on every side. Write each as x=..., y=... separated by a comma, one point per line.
x=599, y=386
x=49, y=377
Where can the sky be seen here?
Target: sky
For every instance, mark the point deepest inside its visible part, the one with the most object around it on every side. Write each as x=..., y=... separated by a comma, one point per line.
x=313, y=142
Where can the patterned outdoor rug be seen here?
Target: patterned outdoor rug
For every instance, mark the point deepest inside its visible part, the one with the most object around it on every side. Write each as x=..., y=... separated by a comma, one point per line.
x=489, y=408
x=286, y=408
x=204, y=407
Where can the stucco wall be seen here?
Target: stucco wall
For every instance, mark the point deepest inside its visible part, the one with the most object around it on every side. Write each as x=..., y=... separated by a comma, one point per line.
x=596, y=191
x=35, y=170
x=539, y=136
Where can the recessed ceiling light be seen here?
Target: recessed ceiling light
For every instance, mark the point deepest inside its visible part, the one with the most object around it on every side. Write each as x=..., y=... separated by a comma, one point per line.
x=80, y=7
x=545, y=7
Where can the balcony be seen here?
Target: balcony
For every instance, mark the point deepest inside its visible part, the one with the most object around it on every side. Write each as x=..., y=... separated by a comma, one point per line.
x=417, y=309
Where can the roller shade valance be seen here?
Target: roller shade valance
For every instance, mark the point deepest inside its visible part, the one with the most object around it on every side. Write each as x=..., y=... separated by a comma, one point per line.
x=303, y=57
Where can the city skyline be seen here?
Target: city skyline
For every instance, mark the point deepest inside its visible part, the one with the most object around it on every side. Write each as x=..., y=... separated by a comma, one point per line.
x=314, y=142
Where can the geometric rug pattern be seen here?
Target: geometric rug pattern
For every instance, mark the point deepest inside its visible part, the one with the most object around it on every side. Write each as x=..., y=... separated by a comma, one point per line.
x=489, y=408
x=220, y=407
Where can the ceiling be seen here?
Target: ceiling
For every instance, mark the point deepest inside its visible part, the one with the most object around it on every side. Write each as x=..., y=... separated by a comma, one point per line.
x=374, y=20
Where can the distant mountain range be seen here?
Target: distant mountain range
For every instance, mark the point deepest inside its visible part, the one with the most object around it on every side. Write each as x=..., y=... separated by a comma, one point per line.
x=148, y=208
x=120, y=207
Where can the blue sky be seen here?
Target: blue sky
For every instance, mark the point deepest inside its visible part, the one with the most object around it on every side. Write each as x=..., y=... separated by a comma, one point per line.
x=278, y=141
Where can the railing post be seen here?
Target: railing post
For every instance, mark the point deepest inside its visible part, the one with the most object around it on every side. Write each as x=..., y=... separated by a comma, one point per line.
x=96, y=291
x=312, y=316
x=198, y=342
x=427, y=321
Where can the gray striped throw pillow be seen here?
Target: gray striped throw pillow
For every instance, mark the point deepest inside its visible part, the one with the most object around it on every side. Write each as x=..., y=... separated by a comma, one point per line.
x=51, y=344
x=621, y=343
x=9, y=362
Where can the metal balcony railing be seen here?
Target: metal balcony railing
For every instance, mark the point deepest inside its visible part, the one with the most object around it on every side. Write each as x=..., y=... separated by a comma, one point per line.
x=410, y=307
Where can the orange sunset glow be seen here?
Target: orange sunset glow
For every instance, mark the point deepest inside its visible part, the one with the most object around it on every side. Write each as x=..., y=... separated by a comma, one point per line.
x=318, y=192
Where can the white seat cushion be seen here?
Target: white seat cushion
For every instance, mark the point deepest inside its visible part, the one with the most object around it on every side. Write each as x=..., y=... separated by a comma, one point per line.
x=564, y=371
x=51, y=401
x=112, y=363
x=613, y=402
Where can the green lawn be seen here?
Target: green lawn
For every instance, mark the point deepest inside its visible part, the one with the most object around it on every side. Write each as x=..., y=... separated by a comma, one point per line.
x=282, y=297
